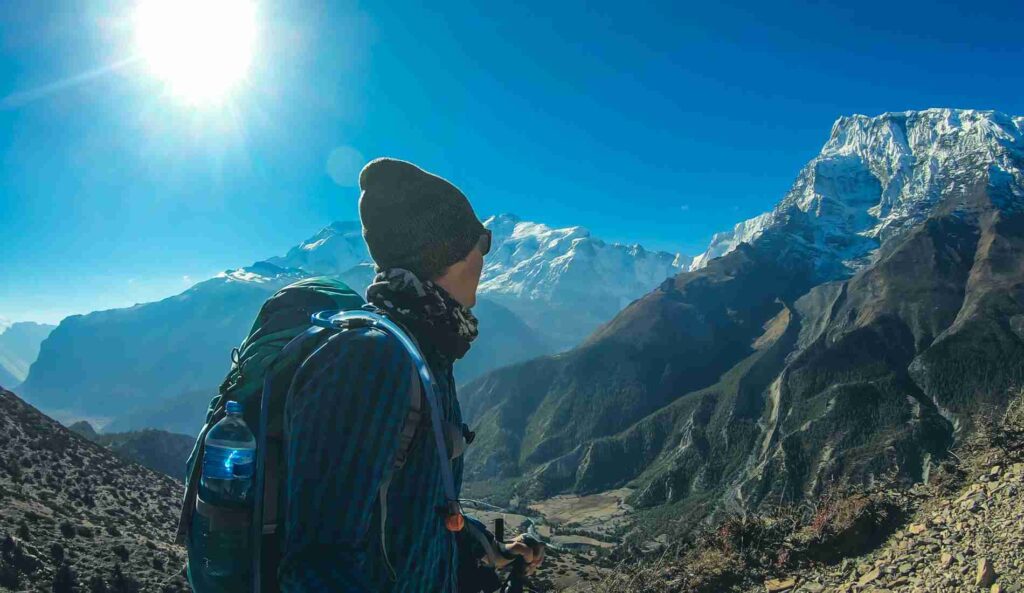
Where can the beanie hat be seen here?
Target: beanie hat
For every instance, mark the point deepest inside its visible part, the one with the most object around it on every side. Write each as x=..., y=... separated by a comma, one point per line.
x=413, y=219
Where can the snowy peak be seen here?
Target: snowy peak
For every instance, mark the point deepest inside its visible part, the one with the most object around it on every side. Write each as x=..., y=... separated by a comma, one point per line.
x=532, y=269
x=564, y=281
x=534, y=261
x=878, y=176
x=336, y=249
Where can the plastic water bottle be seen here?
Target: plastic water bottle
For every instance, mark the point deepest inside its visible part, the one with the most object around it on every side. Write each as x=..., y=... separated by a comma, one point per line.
x=227, y=481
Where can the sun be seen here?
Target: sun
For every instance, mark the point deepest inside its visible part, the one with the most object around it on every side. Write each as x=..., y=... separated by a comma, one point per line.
x=201, y=49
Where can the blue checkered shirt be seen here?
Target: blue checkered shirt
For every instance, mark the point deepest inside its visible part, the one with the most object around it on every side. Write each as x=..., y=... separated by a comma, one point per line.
x=343, y=421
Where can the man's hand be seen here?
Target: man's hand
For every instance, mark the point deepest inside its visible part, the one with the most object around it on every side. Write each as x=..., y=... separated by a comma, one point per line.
x=531, y=550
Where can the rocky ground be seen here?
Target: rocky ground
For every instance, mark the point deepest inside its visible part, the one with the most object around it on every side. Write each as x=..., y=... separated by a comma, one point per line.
x=973, y=541
x=961, y=531
x=75, y=517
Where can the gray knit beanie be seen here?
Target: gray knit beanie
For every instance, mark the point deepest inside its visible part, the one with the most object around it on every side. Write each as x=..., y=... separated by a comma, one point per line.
x=413, y=219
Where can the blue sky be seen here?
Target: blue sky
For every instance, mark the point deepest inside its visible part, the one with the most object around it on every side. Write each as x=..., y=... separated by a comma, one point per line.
x=651, y=123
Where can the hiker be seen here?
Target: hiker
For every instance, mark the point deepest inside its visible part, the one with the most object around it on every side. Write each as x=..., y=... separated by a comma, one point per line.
x=351, y=523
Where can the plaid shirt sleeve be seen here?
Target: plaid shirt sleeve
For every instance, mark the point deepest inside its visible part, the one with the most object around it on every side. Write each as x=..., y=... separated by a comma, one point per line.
x=343, y=419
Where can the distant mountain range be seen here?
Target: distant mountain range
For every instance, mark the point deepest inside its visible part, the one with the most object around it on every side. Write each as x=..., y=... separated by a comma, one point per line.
x=157, y=364
x=852, y=331
x=19, y=347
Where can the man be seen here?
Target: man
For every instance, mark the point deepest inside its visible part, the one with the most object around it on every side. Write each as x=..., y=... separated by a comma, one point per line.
x=348, y=405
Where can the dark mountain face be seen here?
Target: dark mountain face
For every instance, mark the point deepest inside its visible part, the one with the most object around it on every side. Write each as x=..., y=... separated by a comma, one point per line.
x=109, y=363
x=67, y=502
x=778, y=368
x=159, y=450
x=182, y=414
x=679, y=338
x=157, y=365
x=504, y=339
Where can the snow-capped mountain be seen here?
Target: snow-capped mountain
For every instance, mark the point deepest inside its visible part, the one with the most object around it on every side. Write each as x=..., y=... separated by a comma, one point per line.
x=857, y=330
x=565, y=281
x=136, y=357
x=562, y=281
x=875, y=177
x=336, y=249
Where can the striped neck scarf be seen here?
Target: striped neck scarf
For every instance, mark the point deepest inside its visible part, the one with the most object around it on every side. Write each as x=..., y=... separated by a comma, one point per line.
x=426, y=309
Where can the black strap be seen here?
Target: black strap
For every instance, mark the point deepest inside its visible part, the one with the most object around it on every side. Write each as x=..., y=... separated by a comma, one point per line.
x=268, y=479
x=272, y=483
x=412, y=422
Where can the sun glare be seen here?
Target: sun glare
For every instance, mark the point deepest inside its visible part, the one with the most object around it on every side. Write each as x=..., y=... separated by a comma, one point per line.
x=201, y=49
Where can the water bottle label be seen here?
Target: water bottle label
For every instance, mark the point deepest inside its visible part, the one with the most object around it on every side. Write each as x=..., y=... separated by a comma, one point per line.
x=226, y=463
x=243, y=468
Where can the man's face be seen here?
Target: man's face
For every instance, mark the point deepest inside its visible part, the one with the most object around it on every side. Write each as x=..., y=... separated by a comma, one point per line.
x=462, y=278
x=475, y=267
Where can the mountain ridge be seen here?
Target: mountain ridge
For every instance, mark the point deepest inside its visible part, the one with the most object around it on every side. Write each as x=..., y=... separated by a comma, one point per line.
x=130, y=361
x=888, y=151
x=830, y=355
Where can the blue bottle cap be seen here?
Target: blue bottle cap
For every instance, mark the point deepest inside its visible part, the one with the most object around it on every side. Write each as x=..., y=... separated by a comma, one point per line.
x=233, y=407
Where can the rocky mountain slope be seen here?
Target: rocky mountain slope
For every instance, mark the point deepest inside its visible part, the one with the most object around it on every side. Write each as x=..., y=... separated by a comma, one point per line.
x=19, y=347
x=74, y=514
x=957, y=531
x=566, y=282
x=847, y=333
x=970, y=541
x=128, y=364
x=159, y=450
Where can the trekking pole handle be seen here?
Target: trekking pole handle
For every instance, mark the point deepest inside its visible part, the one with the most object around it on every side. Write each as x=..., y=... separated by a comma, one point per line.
x=517, y=576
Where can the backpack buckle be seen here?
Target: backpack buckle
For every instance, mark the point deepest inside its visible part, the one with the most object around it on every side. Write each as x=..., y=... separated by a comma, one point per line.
x=336, y=320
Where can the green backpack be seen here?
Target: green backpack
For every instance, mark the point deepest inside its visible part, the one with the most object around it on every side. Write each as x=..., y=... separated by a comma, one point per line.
x=289, y=328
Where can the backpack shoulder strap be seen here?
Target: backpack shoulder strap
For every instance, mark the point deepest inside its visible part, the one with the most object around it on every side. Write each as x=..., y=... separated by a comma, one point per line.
x=412, y=423
x=270, y=455
x=452, y=511
x=405, y=442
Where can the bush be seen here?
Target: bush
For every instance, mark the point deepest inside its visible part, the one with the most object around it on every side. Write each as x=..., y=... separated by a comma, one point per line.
x=97, y=585
x=121, y=552
x=847, y=524
x=122, y=583
x=67, y=529
x=10, y=578
x=65, y=580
